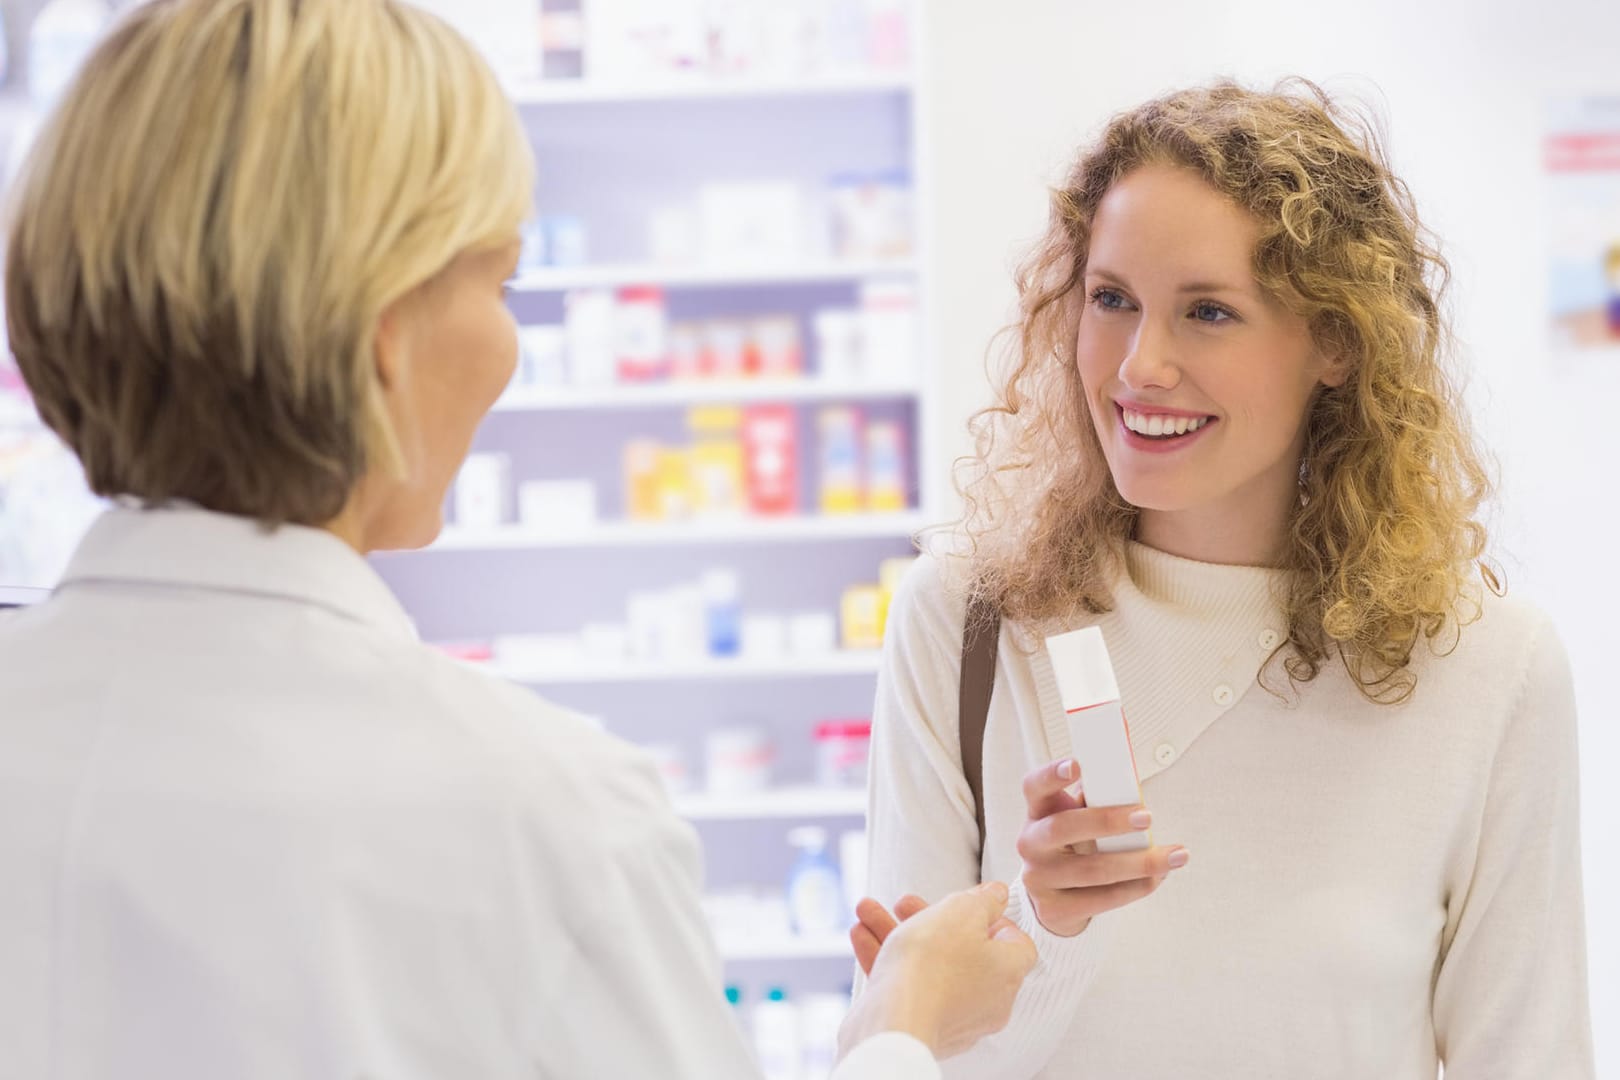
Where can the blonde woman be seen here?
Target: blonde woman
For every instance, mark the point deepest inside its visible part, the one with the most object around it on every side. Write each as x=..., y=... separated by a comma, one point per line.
x=1228, y=440
x=249, y=826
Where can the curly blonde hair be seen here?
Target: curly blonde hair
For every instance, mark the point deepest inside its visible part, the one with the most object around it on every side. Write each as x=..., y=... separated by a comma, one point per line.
x=1386, y=532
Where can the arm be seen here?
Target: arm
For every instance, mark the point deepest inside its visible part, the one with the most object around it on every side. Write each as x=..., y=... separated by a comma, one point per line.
x=642, y=991
x=1510, y=997
x=923, y=833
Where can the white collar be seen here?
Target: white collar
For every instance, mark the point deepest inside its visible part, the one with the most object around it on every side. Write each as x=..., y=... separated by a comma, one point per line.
x=181, y=546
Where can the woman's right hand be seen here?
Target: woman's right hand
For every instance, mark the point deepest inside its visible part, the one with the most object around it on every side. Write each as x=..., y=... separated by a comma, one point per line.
x=1067, y=879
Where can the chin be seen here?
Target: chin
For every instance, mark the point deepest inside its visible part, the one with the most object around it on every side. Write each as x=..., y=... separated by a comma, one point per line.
x=409, y=534
x=1147, y=495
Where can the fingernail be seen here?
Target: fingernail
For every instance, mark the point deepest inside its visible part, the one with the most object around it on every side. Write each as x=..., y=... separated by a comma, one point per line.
x=996, y=889
x=1178, y=858
x=1066, y=770
x=1141, y=819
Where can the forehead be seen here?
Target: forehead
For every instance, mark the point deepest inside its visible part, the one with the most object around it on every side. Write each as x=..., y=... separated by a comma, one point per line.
x=1169, y=219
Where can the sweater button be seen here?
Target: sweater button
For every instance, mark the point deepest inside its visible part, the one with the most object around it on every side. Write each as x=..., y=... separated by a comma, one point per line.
x=1269, y=639
x=1223, y=695
x=1164, y=753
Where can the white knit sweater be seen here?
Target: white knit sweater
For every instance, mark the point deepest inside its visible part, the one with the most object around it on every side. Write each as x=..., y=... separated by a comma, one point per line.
x=1372, y=890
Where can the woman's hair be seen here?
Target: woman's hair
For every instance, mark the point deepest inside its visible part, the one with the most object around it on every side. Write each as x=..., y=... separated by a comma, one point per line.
x=1385, y=534
x=212, y=223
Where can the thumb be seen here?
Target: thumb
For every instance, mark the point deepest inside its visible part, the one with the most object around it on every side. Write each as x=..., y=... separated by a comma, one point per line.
x=992, y=899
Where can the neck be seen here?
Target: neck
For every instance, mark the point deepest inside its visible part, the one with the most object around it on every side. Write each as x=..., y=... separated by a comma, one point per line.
x=346, y=527
x=1256, y=536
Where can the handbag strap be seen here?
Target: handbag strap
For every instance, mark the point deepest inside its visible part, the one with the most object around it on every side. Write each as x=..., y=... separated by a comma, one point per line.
x=980, y=635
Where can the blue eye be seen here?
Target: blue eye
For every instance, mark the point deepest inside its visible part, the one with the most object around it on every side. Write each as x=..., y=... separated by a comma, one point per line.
x=1108, y=299
x=1206, y=312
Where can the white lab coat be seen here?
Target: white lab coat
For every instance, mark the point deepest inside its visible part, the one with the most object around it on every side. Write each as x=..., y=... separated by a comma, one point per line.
x=251, y=828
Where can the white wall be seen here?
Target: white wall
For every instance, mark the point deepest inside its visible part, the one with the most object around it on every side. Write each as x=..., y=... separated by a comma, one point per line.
x=1014, y=87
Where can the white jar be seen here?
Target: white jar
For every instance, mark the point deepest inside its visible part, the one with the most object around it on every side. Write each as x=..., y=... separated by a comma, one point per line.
x=738, y=760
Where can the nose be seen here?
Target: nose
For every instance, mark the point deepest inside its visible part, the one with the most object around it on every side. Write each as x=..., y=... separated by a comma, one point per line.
x=1150, y=363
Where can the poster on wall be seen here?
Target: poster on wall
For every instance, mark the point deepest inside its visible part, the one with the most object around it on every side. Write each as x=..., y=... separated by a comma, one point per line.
x=1581, y=157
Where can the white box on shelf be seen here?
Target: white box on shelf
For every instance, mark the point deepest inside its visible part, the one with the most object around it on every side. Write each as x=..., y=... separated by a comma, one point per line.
x=542, y=356
x=838, y=345
x=738, y=760
x=557, y=506
x=749, y=223
x=588, y=323
x=483, y=497
x=505, y=31
x=536, y=651
x=812, y=633
x=889, y=328
x=605, y=643
x=764, y=637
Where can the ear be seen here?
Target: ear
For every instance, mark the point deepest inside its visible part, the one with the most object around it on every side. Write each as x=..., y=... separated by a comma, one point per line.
x=1335, y=369
x=388, y=348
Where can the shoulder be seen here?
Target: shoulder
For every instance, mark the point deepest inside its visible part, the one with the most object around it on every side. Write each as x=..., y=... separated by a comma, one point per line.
x=1507, y=661
x=931, y=600
x=1506, y=641
x=554, y=767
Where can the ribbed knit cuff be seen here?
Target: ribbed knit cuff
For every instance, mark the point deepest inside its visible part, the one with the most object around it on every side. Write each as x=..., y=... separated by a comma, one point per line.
x=1065, y=966
x=888, y=1056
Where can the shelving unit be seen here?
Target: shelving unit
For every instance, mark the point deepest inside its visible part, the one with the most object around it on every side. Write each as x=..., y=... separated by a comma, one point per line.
x=791, y=803
x=843, y=664
x=787, y=947
x=696, y=88
x=630, y=534
x=611, y=154
x=676, y=395
x=702, y=276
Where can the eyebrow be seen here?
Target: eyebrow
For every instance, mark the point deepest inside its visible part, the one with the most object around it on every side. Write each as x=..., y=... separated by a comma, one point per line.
x=1190, y=287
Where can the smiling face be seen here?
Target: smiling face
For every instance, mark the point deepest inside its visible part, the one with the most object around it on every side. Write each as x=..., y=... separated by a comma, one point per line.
x=1198, y=384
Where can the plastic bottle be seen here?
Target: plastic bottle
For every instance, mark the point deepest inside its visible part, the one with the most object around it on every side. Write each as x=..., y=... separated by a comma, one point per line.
x=815, y=894
x=722, y=610
x=839, y=428
x=734, y=999
x=776, y=1037
x=59, y=42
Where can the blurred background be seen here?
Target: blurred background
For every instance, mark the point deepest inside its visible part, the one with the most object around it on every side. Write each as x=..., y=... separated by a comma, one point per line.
x=772, y=245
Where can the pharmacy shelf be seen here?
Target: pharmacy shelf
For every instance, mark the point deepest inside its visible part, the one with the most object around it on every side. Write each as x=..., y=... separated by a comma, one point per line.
x=681, y=394
x=842, y=663
x=831, y=947
x=801, y=802
x=743, y=530
x=586, y=91
x=701, y=276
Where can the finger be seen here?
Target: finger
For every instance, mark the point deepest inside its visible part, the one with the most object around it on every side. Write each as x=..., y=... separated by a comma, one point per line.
x=1044, y=789
x=1070, y=905
x=1070, y=828
x=866, y=946
x=1104, y=868
x=989, y=896
x=910, y=905
x=1017, y=945
x=876, y=918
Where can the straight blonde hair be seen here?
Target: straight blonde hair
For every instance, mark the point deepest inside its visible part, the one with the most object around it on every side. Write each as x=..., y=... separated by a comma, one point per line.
x=212, y=223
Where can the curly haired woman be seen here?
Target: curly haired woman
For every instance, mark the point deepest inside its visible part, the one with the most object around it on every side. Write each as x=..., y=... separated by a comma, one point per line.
x=1228, y=439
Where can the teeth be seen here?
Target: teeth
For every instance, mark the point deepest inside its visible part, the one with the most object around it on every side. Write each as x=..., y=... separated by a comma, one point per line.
x=1160, y=425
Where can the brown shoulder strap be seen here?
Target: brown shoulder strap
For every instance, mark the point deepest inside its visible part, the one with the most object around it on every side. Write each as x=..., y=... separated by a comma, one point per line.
x=980, y=634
